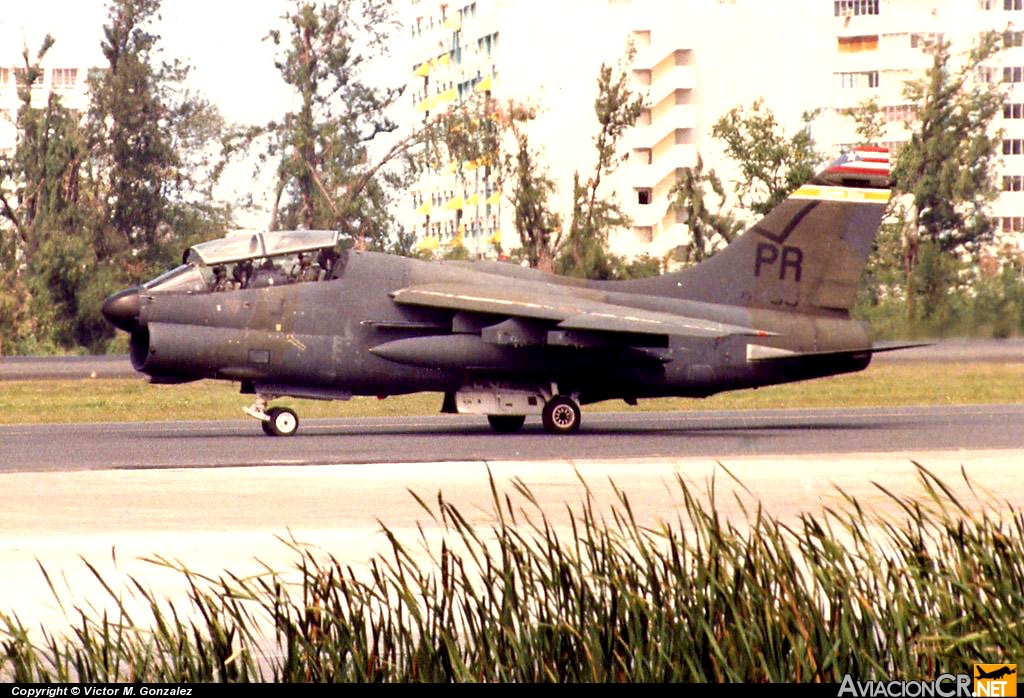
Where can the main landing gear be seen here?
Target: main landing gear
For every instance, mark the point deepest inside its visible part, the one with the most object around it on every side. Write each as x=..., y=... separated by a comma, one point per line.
x=560, y=414
x=277, y=421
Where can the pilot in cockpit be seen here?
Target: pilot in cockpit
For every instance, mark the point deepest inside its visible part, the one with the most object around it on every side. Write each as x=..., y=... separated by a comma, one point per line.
x=305, y=270
x=221, y=282
x=242, y=273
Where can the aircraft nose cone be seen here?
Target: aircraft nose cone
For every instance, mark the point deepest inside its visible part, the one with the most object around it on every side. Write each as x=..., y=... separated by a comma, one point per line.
x=122, y=309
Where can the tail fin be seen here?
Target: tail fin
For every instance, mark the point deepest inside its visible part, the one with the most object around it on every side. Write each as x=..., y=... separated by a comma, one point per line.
x=807, y=254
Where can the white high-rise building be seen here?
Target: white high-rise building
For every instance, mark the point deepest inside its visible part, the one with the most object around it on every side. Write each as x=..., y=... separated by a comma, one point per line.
x=694, y=60
x=881, y=44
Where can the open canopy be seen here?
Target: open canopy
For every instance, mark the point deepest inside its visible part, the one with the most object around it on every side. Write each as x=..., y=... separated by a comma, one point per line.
x=236, y=247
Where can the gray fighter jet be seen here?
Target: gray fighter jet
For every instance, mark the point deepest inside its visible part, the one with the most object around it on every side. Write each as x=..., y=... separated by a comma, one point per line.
x=293, y=314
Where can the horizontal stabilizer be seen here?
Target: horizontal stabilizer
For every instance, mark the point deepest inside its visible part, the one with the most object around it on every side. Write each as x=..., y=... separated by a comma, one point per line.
x=757, y=353
x=569, y=312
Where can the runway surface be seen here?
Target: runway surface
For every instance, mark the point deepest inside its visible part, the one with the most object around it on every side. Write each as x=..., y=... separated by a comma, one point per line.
x=466, y=438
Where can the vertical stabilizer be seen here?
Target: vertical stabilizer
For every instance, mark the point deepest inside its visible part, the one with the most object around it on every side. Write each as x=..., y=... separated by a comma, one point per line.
x=807, y=254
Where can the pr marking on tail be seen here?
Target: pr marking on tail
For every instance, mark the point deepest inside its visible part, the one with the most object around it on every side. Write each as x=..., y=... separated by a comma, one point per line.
x=768, y=254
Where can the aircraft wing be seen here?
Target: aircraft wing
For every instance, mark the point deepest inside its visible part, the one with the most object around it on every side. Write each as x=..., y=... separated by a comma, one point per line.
x=568, y=311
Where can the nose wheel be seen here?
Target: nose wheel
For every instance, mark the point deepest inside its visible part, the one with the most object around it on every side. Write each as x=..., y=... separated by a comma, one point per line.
x=282, y=422
x=278, y=421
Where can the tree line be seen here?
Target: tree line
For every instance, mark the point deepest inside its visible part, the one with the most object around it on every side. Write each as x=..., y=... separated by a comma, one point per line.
x=95, y=201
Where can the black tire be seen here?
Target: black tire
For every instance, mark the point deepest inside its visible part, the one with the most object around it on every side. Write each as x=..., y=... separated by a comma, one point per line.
x=561, y=415
x=506, y=423
x=267, y=429
x=283, y=422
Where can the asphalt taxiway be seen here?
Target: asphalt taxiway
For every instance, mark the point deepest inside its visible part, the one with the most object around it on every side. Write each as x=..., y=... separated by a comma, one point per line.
x=459, y=438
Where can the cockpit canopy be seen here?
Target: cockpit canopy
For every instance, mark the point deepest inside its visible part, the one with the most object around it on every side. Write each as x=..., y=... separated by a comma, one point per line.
x=252, y=260
x=237, y=247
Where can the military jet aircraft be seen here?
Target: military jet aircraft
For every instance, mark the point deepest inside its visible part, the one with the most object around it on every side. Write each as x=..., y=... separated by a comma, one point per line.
x=293, y=314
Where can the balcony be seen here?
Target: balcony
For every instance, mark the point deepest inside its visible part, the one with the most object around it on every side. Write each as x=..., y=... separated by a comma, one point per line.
x=678, y=77
x=649, y=176
x=681, y=116
x=649, y=57
x=647, y=215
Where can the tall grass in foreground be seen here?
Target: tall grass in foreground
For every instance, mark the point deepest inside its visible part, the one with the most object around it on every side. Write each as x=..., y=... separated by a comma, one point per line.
x=603, y=598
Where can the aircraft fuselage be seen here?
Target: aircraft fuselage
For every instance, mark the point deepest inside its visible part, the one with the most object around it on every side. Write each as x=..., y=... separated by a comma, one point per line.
x=323, y=336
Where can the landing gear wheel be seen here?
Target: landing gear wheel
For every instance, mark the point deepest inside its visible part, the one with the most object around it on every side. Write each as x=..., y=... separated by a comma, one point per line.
x=561, y=415
x=283, y=422
x=267, y=429
x=506, y=423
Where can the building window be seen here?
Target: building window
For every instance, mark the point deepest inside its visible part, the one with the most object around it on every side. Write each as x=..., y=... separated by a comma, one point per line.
x=1012, y=183
x=851, y=8
x=1012, y=146
x=64, y=77
x=1013, y=74
x=926, y=41
x=1011, y=39
x=986, y=74
x=857, y=44
x=5, y=75
x=900, y=113
x=986, y=4
x=858, y=80
x=643, y=197
x=1013, y=224
x=1013, y=111
x=1013, y=4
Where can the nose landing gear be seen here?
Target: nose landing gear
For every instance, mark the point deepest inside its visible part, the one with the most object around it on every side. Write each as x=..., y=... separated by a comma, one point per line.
x=278, y=421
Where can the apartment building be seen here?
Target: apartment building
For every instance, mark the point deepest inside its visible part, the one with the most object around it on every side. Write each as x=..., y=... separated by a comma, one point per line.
x=692, y=60
x=880, y=44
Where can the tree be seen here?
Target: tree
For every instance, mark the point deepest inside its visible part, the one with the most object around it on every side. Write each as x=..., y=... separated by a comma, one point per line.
x=869, y=120
x=617, y=110
x=325, y=175
x=41, y=245
x=93, y=203
x=39, y=183
x=772, y=164
x=947, y=167
x=149, y=143
x=709, y=229
x=538, y=227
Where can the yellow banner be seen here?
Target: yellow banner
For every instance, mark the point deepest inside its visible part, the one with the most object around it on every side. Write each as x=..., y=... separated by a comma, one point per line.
x=485, y=85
